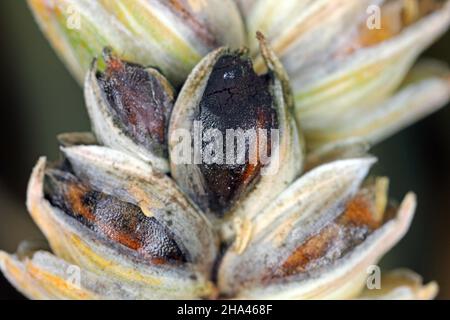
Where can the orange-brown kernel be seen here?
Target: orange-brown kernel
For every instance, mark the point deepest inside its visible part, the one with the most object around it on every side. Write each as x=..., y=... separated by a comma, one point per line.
x=359, y=212
x=76, y=195
x=335, y=239
x=314, y=248
x=118, y=221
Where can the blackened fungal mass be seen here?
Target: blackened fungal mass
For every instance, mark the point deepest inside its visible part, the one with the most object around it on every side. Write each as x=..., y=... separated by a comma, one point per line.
x=139, y=103
x=119, y=221
x=235, y=97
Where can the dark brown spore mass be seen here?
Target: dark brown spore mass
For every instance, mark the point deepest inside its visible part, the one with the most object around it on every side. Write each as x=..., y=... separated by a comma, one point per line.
x=116, y=220
x=139, y=102
x=235, y=97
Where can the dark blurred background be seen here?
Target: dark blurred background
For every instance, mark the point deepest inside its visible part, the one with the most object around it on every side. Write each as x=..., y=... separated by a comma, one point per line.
x=39, y=99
